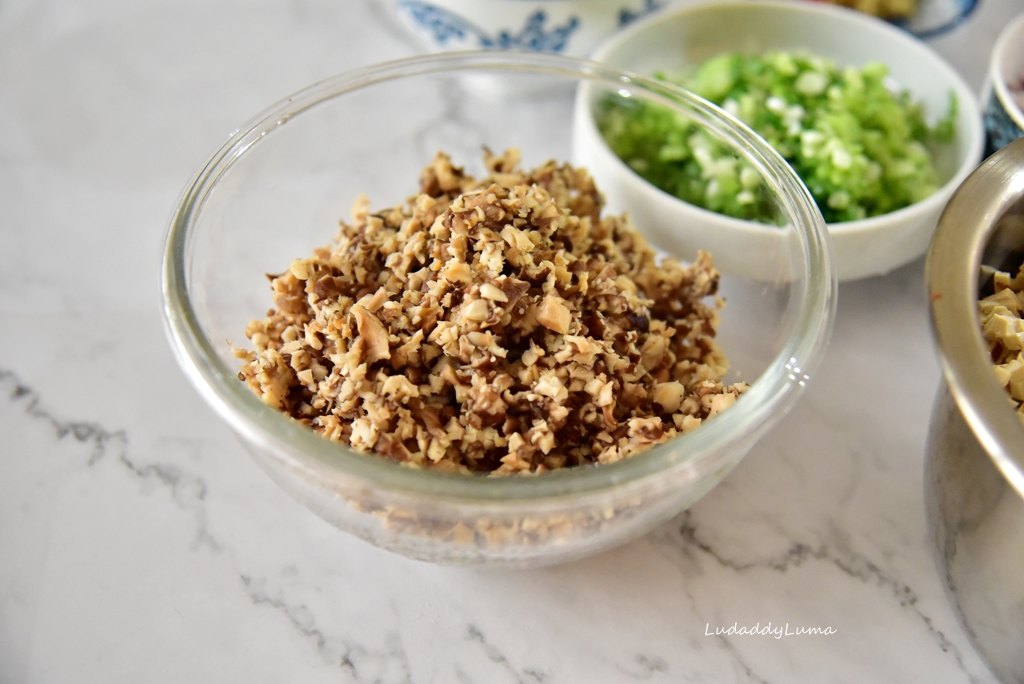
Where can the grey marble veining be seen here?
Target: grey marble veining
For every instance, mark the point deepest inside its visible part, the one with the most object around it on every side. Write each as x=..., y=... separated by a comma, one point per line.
x=139, y=543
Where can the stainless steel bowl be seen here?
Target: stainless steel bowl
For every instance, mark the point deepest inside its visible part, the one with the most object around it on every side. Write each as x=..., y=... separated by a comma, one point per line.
x=974, y=469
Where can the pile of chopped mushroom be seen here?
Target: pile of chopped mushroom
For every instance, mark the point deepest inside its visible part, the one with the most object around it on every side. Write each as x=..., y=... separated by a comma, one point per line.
x=497, y=325
x=1003, y=328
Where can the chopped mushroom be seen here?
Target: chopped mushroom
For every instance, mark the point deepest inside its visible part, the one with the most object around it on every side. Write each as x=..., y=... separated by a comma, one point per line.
x=499, y=325
x=1003, y=329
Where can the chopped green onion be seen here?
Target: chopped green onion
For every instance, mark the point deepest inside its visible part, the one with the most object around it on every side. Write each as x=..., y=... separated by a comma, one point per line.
x=861, y=148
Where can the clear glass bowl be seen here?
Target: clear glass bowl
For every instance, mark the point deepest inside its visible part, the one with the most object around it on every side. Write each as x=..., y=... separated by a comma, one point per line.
x=276, y=190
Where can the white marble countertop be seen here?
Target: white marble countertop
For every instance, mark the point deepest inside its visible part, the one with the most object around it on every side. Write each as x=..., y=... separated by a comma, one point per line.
x=139, y=543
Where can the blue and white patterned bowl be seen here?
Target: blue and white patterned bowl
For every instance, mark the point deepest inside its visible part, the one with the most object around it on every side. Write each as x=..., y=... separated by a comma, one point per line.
x=934, y=18
x=572, y=27
x=1004, y=120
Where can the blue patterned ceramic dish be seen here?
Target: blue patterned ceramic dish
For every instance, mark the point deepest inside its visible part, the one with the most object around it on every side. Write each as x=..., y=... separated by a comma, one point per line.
x=936, y=17
x=1004, y=119
x=573, y=27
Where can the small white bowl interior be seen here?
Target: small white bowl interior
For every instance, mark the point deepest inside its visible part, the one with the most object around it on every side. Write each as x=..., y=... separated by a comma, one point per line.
x=690, y=35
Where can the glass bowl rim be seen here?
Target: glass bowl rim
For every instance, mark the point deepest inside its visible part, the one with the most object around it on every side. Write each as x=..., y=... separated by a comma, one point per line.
x=768, y=399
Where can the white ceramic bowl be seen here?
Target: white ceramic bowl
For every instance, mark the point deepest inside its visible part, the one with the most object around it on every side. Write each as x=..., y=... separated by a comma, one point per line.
x=571, y=27
x=689, y=35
